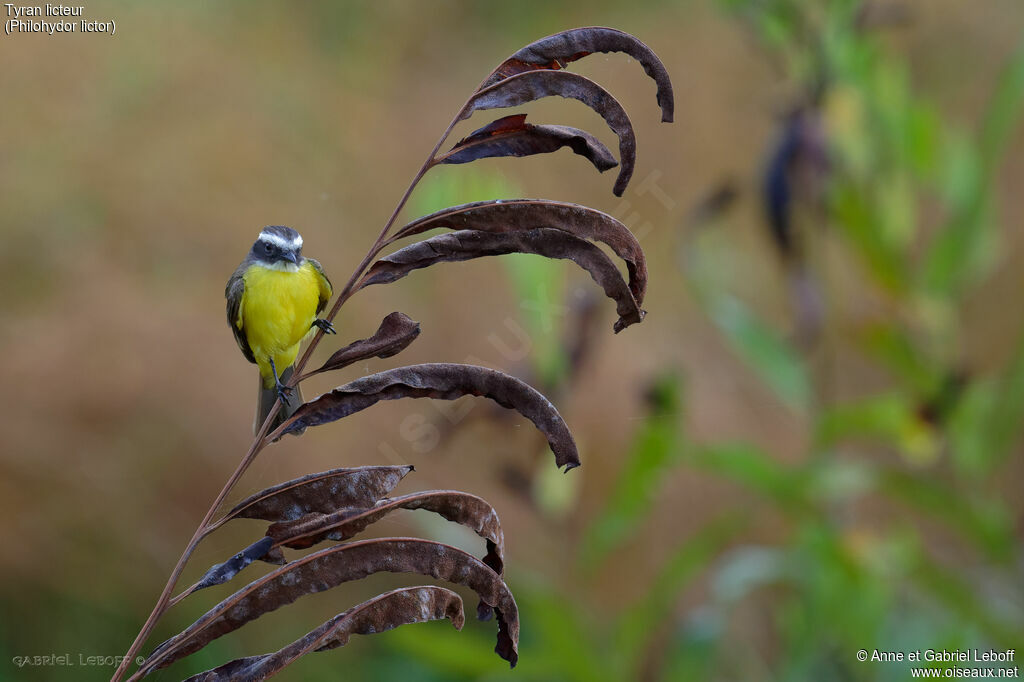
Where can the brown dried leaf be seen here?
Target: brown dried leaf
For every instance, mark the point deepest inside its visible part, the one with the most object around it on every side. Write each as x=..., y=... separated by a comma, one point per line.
x=455, y=506
x=343, y=524
x=543, y=241
x=394, y=335
x=380, y=614
x=328, y=568
x=513, y=136
x=323, y=492
x=320, y=493
x=534, y=85
x=445, y=381
x=509, y=215
x=556, y=51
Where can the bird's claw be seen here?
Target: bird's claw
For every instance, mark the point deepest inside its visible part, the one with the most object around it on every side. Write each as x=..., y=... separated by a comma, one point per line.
x=325, y=326
x=283, y=392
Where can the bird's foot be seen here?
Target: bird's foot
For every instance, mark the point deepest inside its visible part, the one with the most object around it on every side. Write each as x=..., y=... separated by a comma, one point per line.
x=283, y=392
x=325, y=326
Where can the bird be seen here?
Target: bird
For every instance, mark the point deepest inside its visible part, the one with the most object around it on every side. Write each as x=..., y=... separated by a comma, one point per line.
x=274, y=298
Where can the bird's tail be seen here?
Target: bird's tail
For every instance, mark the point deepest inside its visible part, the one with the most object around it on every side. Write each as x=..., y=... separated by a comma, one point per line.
x=266, y=400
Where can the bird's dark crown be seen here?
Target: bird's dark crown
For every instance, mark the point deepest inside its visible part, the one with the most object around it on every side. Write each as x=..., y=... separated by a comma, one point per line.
x=278, y=245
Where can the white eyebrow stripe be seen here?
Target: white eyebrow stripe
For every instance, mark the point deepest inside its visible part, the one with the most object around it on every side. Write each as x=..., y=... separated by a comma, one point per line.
x=281, y=241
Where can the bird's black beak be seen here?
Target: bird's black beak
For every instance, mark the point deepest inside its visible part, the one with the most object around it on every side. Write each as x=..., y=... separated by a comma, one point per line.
x=291, y=256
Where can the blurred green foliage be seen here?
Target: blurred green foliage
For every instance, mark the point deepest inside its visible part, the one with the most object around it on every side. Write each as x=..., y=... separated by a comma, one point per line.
x=894, y=537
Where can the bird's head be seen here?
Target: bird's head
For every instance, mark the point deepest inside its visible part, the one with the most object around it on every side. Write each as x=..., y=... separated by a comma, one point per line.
x=278, y=248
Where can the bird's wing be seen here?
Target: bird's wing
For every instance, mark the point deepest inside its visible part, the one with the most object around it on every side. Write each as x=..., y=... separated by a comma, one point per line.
x=234, y=292
x=325, y=285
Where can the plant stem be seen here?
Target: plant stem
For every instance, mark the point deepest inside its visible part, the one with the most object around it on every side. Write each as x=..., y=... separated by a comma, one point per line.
x=261, y=440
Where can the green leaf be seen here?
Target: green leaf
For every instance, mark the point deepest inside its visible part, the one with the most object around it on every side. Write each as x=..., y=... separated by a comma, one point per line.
x=903, y=355
x=970, y=439
x=987, y=422
x=957, y=252
x=448, y=187
x=891, y=419
x=540, y=288
x=984, y=521
x=656, y=448
x=1004, y=111
x=963, y=599
x=555, y=494
x=640, y=622
x=770, y=357
x=570, y=641
x=465, y=654
x=754, y=468
x=857, y=214
x=695, y=648
x=1007, y=415
x=923, y=137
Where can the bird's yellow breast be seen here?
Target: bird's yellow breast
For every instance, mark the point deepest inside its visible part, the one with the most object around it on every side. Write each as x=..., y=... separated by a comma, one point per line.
x=278, y=309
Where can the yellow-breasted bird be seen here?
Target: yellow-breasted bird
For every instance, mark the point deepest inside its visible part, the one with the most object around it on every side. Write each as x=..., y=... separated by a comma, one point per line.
x=274, y=298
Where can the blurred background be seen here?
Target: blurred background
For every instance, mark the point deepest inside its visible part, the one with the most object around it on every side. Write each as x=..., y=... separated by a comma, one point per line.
x=811, y=445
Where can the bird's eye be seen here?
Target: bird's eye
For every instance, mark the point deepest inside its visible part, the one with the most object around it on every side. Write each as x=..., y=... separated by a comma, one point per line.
x=269, y=248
